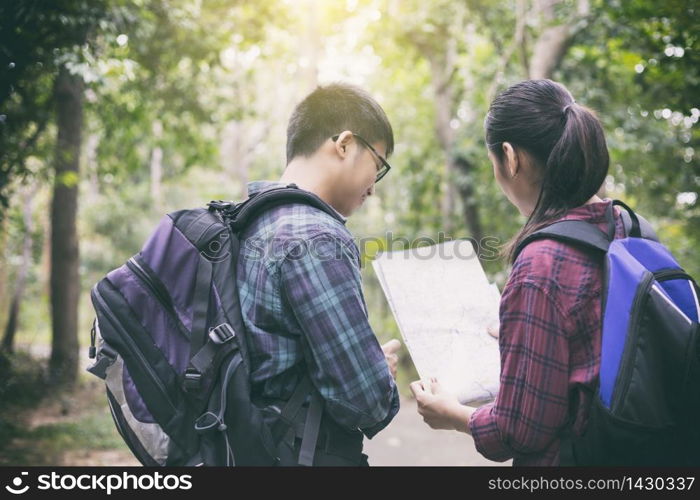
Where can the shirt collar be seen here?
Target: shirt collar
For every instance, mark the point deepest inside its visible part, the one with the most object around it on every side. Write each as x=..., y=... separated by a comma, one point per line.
x=593, y=212
x=255, y=187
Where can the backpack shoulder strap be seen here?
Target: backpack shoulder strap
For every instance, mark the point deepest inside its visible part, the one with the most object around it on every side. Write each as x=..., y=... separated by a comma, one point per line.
x=238, y=218
x=629, y=218
x=244, y=213
x=205, y=346
x=584, y=234
x=576, y=232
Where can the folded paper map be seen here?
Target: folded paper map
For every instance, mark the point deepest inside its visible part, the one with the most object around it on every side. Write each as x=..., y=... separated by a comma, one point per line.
x=443, y=304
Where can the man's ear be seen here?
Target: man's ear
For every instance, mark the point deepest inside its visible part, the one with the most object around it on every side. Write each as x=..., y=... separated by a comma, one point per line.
x=511, y=159
x=342, y=142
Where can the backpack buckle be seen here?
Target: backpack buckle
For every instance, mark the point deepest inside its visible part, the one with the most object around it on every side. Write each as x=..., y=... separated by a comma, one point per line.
x=222, y=333
x=192, y=380
x=104, y=359
x=224, y=209
x=219, y=205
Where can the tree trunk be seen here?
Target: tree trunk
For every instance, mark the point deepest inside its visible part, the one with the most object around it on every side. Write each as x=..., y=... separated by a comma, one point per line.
x=157, y=178
x=65, y=278
x=45, y=265
x=8, y=340
x=519, y=44
x=156, y=166
x=442, y=68
x=469, y=201
x=4, y=267
x=549, y=51
x=520, y=36
x=554, y=39
x=91, y=168
x=312, y=46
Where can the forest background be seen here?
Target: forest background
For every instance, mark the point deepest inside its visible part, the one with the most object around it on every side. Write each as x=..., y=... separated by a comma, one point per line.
x=115, y=112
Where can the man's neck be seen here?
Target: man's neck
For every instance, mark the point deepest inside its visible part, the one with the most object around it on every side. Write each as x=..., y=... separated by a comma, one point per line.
x=306, y=176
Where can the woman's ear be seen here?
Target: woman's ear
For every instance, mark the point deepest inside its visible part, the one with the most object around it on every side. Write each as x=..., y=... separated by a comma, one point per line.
x=511, y=159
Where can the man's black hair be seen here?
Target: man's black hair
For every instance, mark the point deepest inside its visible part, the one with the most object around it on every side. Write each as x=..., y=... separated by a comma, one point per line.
x=331, y=109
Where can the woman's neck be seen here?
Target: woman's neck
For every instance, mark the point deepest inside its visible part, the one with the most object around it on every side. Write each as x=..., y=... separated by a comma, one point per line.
x=594, y=199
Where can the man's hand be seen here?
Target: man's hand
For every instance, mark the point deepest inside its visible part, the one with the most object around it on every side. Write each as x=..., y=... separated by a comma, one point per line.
x=439, y=408
x=392, y=359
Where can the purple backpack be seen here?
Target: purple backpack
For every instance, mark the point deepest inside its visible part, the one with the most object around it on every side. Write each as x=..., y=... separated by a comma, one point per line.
x=170, y=343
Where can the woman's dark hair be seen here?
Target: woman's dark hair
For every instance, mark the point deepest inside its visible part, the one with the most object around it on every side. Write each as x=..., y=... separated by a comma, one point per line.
x=566, y=140
x=331, y=109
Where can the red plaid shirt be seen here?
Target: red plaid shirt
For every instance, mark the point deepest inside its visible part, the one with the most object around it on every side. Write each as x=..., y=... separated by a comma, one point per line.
x=549, y=340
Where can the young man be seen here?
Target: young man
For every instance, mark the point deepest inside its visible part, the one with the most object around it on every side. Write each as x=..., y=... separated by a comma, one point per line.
x=300, y=286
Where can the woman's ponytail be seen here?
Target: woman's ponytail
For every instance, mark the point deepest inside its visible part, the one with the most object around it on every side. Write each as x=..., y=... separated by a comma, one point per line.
x=578, y=163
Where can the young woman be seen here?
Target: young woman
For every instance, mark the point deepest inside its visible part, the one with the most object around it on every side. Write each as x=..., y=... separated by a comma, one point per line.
x=550, y=159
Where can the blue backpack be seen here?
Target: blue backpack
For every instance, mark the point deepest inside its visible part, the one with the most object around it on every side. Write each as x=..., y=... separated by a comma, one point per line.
x=170, y=343
x=646, y=407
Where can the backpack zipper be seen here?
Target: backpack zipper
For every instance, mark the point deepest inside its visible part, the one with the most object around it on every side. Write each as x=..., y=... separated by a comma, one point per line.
x=677, y=274
x=631, y=341
x=134, y=349
x=158, y=290
x=671, y=274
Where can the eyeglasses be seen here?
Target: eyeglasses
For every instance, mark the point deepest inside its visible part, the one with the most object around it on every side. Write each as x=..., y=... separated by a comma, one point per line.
x=381, y=170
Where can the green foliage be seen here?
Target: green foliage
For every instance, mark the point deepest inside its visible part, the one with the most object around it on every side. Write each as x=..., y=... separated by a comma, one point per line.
x=22, y=380
x=70, y=423
x=637, y=66
x=36, y=38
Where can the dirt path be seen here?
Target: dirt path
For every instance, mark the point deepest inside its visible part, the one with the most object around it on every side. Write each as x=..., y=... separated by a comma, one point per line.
x=409, y=441
x=406, y=441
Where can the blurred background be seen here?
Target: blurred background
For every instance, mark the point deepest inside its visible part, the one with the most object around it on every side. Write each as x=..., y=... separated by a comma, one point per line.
x=114, y=112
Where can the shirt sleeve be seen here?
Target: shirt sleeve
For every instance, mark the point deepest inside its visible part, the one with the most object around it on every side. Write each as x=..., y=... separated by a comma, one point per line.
x=532, y=403
x=322, y=285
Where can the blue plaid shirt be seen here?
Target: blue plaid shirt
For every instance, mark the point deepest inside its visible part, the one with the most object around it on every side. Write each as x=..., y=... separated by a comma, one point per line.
x=301, y=297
